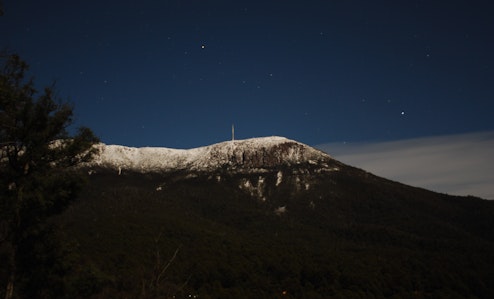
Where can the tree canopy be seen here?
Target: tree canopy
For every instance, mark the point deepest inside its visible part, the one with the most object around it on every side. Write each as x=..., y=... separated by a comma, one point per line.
x=37, y=152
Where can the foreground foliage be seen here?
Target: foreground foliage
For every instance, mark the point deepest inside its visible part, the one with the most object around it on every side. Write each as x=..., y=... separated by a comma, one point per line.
x=36, y=153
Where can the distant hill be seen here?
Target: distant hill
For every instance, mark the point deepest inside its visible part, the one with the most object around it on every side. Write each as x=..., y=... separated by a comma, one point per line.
x=270, y=218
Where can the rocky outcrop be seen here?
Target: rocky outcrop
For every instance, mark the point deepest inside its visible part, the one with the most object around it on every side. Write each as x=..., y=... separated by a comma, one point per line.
x=286, y=153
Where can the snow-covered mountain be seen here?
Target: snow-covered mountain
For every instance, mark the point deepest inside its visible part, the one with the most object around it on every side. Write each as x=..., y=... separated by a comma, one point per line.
x=240, y=155
x=296, y=210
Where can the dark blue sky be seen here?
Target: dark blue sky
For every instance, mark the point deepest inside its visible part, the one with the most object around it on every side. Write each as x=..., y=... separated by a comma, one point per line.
x=179, y=73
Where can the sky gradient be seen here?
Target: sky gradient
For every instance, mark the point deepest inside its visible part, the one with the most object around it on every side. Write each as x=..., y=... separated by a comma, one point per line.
x=179, y=73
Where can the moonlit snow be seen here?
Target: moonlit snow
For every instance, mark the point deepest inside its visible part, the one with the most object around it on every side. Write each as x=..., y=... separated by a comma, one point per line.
x=149, y=159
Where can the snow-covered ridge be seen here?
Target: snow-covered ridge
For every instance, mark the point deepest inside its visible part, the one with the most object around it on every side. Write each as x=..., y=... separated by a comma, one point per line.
x=265, y=152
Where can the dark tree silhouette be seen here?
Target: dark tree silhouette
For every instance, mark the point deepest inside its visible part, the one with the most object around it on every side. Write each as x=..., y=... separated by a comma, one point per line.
x=37, y=156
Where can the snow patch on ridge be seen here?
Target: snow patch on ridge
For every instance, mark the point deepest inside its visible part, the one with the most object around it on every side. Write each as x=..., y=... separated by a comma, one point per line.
x=248, y=153
x=279, y=178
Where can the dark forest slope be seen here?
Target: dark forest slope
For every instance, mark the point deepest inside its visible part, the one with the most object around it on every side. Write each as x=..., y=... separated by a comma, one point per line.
x=292, y=232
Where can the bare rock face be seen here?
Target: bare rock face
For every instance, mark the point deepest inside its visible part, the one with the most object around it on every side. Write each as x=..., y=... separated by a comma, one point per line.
x=285, y=153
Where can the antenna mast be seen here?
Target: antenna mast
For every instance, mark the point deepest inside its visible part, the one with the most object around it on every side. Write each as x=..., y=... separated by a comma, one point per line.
x=233, y=140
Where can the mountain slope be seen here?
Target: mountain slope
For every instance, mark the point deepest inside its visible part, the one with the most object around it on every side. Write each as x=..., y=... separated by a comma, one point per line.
x=274, y=218
x=250, y=154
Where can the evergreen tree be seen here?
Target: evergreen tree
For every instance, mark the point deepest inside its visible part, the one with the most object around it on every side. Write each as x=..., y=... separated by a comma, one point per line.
x=37, y=154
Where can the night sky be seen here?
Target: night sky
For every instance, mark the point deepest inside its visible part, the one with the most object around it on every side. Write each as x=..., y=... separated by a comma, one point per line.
x=179, y=73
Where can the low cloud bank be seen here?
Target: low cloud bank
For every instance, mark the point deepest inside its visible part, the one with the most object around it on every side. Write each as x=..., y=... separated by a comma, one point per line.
x=455, y=164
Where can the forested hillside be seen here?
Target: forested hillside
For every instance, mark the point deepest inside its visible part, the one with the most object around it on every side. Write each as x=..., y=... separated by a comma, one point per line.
x=346, y=234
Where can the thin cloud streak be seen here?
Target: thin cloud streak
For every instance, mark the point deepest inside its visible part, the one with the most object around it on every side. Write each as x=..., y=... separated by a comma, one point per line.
x=455, y=164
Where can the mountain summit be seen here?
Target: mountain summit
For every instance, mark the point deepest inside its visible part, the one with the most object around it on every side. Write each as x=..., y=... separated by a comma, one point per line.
x=239, y=155
x=270, y=218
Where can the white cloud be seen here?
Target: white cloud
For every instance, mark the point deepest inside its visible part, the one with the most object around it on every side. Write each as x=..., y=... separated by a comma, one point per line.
x=455, y=164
